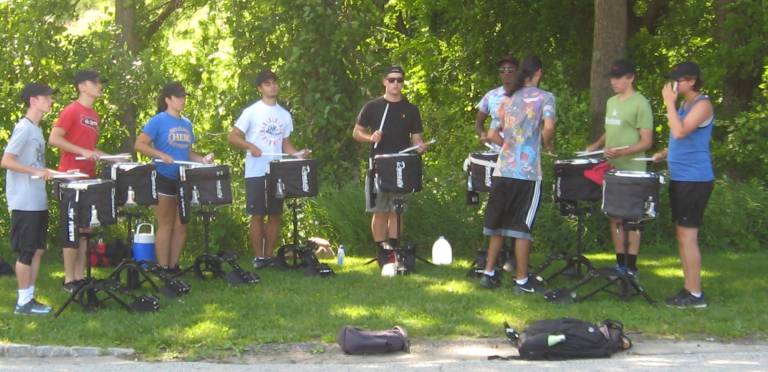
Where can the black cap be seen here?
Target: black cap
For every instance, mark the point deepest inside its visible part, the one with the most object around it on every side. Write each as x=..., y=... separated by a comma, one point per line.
x=34, y=90
x=682, y=69
x=174, y=89
x=264, y=76
x=507, y=59
x=394, y=70
x=620, y=68
x=88, y=75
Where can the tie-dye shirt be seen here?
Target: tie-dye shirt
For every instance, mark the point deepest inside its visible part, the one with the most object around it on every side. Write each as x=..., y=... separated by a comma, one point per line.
x=520, y=121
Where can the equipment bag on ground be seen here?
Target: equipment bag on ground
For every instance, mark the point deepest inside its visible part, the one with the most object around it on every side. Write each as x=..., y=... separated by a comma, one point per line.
x=357, y=341
x=568, y=338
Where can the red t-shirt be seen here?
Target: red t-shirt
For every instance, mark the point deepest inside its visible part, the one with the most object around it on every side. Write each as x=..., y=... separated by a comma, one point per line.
x=82, y=126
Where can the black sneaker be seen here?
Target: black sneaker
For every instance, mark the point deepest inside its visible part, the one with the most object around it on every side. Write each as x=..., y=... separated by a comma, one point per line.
x=531, y=287
x=490, y=281
x=32, y=308
x=262, y=262
x=41, y=305
x=685, y=300
x=71, y=286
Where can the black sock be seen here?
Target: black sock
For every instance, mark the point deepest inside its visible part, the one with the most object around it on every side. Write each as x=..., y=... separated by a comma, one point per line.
x=620, y=259
x=632, y=262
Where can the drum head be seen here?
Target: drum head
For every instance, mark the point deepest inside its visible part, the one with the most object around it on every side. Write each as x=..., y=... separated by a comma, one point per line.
x=633, y=174
x=579, y=161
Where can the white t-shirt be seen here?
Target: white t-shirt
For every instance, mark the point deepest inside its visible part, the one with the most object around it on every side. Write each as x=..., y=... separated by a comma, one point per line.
x=264, y=126
x=22, y=191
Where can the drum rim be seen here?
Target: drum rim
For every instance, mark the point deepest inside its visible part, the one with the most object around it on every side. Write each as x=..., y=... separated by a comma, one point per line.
x=385, y=156
x=486, y=153
x=577, y=161
x=287, y=160
x=633, y=174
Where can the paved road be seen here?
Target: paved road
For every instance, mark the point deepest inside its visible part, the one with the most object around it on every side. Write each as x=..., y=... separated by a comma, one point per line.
x=463, y=356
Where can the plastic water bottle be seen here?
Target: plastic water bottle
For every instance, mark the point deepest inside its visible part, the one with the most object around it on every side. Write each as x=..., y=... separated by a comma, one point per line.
x=441, y=252
x=340, y=256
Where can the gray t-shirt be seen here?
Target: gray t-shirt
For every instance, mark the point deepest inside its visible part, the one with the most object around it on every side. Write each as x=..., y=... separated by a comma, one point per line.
x=23, y=192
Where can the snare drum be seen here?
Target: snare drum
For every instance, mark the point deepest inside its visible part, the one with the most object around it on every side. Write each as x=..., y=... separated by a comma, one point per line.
x=631, y=195
x=570, y=183
x=481, y=167
x=88, y=203
x=292, y=178
x=135, y=183
x=397, y=173
x=206, y=184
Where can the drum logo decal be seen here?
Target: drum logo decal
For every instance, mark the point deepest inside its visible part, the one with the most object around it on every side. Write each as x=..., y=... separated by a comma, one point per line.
x=400, y=165
x=71, y=223
x=219, y=192
x=488, y=172
x=305, y=178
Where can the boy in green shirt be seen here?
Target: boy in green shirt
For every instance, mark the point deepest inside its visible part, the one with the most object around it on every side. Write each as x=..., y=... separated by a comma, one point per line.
x=628, y=133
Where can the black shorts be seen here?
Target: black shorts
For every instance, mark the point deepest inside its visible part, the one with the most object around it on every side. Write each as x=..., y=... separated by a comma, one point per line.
x=512, y=206
x=29, y=230
x=167, y=186
x=688, y=201
x=257, y=202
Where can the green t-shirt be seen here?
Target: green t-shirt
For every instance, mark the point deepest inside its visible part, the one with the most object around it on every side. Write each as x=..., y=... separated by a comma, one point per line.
x=623, y=121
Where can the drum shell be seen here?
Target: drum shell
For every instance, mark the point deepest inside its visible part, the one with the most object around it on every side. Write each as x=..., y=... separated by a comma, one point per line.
x=481, y=176
x=298, y=178
x=141, y=178
x=213, y=184
x=630, y=198
x=101, y=195
x=398, y=173
x=571, y=185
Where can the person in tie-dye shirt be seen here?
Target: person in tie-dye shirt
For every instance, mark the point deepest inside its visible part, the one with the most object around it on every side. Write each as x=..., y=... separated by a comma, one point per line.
x=489, y=105
x=526, y=117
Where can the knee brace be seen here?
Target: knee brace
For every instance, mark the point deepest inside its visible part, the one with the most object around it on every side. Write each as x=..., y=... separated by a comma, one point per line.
x=26, y=257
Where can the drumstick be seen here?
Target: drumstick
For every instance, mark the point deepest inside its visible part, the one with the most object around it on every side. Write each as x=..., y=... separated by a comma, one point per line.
x=415, y=147
x=643, y=159
x=182, y=162
x=107, y=157
x=381, y=126
x=596, y=152
x=297, y=153
x=493, y=147
x=60, y=175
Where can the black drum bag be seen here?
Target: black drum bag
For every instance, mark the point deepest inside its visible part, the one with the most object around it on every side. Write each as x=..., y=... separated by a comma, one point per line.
x=142, y=179
x=293, y=178
x=630, y=197
x=481, y=176
x=571, y=185
x=400, y=174
x=100, y=195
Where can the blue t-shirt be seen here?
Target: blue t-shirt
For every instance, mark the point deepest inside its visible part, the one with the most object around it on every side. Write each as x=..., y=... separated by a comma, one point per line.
x=172, y=136
x=689, y=157
x=520, y=120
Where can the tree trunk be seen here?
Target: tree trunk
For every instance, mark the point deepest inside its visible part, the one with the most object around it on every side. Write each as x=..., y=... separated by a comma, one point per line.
x=125, y=17
x=609, y=41
x=733, y=33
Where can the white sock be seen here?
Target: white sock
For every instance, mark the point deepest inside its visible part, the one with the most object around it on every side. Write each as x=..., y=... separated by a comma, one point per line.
x=695, y=294
x=523, y=281
x=32, y=288
x=25, y=295
x=490, y=273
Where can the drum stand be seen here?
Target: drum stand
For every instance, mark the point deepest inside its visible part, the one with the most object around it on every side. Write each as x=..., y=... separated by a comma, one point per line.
x=573, y=262
x=137, y=273
x=628, y=285
x=213, y=264
x=86, y=293
x=400, y=249
x=295, y=255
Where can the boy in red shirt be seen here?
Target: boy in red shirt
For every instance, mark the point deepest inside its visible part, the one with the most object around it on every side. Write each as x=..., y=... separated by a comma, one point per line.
x=75, y=134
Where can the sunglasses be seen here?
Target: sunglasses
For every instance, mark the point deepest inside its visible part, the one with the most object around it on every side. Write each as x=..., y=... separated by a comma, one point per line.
x=393, y=80
x=507, y=69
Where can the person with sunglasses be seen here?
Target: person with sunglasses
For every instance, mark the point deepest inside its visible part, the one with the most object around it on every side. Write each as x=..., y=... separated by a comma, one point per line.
x=692, y=177
x=628, y=134
x=489, y=105
x=527, y=120
x=390, y=124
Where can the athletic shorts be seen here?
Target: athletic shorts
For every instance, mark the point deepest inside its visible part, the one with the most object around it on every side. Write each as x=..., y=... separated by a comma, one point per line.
x=512, y=206
x=167, y=186
x=688, y=201
x=29, y=230
x=384, y=202
x=257, y=202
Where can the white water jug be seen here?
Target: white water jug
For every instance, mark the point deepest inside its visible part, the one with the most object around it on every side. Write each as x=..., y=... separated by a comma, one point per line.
x=441, y=252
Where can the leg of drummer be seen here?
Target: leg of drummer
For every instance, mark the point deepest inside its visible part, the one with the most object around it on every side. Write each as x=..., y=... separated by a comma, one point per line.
x=522, y=247
x=392, y=225
x=178, y=239
x=690, y=256
x=256, y=232
x=79, y=272
x=380, y=226
x=272, y=232
x=166, y=215
x=494, y=248
x=617, y=235
x=70, y=256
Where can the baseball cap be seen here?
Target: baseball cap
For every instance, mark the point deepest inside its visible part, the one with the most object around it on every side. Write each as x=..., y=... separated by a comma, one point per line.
x=507, y=59
x=88, y=75
x=620, y=68
x=682, y=69
x=394, y=70
x=34, y=90
x=264, y=76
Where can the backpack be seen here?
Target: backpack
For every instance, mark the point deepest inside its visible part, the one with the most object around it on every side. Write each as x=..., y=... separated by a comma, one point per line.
x=357, y=341
x=5, y=268
x=568, y=338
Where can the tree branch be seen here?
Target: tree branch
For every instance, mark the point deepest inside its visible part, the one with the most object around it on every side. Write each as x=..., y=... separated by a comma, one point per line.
x=155, y=25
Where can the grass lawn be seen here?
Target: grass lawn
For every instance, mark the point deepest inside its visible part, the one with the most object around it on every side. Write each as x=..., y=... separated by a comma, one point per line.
x=437, y=303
